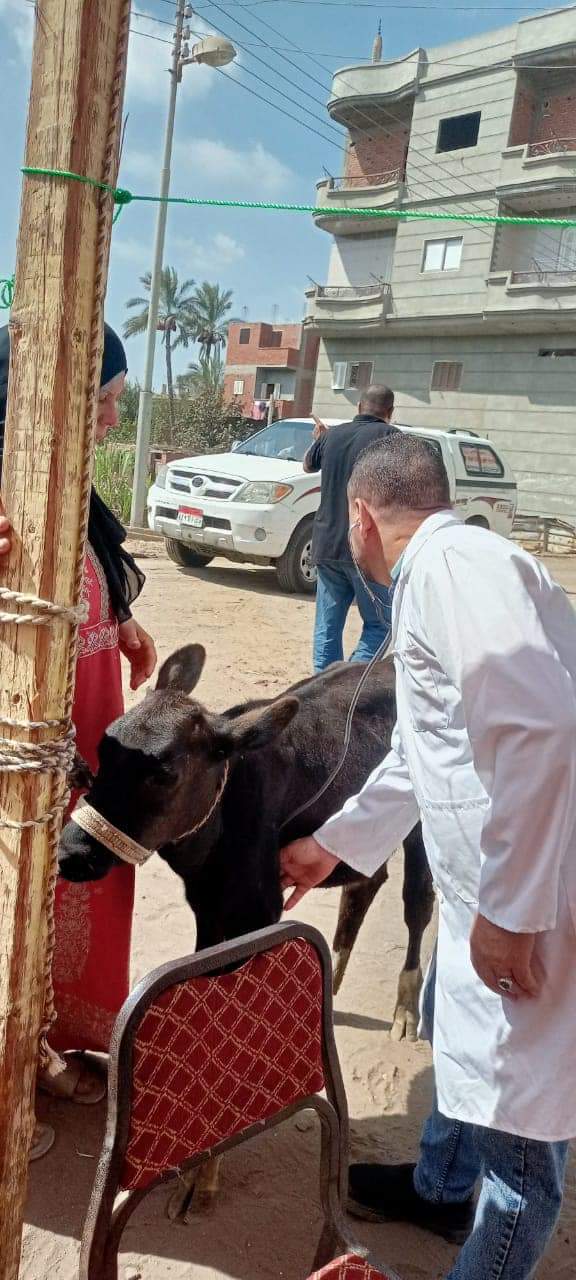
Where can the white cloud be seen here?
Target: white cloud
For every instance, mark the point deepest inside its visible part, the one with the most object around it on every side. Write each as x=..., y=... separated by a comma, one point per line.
x=215, y=165
x=138, y=252
x=209, y=259
x=18, y=20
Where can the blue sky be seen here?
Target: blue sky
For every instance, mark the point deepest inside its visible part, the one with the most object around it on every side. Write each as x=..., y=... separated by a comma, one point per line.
x=228, y=144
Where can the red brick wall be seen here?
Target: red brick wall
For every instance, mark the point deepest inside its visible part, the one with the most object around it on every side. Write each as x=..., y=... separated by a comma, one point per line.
x=261, y=349
x=523, y=116
x=558, y=119
x=532, y=121
x=376, y=152
x=246, y=400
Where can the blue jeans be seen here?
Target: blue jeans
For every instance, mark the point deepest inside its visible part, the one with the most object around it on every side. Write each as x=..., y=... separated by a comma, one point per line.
x=339, y=585
x=522, y=1183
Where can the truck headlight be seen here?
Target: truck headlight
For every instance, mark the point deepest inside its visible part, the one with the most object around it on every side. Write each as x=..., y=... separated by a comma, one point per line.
x=161, y=476
x=263, y=492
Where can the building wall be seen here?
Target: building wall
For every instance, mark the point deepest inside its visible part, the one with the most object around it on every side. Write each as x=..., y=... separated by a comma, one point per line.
x=354, y=260
x=522, y=401
x=376, y=151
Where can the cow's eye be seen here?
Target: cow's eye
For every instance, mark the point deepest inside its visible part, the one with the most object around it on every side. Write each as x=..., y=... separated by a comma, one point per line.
x=165, y=776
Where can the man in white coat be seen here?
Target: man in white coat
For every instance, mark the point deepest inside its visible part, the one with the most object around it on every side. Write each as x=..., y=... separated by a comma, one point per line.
x=484, y=750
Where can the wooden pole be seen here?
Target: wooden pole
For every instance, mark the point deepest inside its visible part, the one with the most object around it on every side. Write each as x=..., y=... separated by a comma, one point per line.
x=78, y=74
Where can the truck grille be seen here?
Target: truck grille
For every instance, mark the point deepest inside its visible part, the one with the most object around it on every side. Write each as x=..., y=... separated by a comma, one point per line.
x=212, y=486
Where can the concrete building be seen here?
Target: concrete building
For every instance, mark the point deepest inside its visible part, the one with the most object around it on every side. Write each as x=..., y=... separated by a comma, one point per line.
x=474, y=326
x=265, y=360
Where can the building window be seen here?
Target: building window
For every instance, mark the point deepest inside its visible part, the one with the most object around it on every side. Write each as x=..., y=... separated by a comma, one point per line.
x=556, y=353
x=244, y=337
x=239, y=387
x=275, y=338
x=355, y=375
x=459, y=132
x=480, y=460
x=446, y=375
x=442, y=255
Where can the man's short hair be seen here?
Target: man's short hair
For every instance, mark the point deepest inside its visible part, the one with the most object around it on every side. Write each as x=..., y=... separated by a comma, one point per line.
x=402, y=470
x=378, y=399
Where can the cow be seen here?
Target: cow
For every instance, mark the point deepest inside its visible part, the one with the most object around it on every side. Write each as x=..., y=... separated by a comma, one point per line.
x=218, y=795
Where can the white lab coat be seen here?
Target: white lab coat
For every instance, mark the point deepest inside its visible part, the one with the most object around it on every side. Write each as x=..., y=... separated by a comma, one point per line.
x=484, y=750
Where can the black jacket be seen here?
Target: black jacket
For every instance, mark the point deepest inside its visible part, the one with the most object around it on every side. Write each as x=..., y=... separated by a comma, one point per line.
x=335, y=454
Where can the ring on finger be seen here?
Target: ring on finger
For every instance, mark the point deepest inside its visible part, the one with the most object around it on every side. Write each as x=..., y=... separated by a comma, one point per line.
x=506, y=985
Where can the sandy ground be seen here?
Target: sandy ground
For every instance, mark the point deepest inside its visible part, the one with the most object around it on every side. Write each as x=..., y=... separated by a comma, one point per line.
x=267, y=1219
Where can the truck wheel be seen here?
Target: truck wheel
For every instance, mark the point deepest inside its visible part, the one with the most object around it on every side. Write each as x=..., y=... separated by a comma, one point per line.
x=186, y=557
x=294, y=570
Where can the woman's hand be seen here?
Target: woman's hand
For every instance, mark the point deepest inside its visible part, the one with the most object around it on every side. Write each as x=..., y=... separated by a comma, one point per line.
x=139, y=650
x=303, y=865
x=5, y=536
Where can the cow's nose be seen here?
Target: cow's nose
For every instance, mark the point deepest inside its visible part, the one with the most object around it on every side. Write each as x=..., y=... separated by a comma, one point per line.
x=80, y=857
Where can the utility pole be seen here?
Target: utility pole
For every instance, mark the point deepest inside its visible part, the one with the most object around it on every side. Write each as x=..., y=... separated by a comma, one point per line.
x=143, y=432
x=214, y=51
x=74, y=123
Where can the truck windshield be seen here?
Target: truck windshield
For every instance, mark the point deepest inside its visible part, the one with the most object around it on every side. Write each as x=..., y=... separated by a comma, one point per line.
x=287, y=438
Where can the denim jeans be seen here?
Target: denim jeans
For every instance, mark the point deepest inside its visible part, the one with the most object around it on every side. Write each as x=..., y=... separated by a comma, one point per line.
x=339, y=585
x=521, y=1189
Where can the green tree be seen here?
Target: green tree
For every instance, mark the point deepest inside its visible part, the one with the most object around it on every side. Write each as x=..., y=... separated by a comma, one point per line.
x=177, y=321
x=206, y=374
x=211, y=306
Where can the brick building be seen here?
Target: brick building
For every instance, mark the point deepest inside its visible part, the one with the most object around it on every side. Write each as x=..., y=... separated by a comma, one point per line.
x=265, y=360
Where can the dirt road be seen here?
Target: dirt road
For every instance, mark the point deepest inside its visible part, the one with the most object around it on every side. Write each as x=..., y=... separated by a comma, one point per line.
x=267, y=1219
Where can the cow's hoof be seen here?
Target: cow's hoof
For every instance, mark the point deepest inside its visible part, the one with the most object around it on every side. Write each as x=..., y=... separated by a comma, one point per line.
x=405, y=1025
x=340, y=962
x=179, y=1199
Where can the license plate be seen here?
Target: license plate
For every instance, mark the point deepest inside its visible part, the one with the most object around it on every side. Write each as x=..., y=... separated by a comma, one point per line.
x=191, y=516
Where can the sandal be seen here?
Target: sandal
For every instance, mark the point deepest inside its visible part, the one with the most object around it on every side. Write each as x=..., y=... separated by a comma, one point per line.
x=42, y=1141
x=64, y=1084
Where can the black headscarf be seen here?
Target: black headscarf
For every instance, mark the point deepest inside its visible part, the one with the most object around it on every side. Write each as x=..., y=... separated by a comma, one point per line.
x=105, y=533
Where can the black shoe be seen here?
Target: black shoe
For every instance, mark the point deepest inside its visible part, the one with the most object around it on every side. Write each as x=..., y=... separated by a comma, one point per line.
x=386, y=1193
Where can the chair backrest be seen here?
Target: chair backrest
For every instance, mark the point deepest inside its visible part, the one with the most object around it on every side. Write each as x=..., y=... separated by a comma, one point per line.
x=201, y=1056
x=351, y=1267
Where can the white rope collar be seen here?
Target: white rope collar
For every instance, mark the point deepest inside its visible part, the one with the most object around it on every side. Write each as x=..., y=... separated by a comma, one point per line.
x=124, y=847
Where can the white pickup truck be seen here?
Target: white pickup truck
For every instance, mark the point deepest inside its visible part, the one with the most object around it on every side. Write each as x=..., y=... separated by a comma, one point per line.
x=256, y=505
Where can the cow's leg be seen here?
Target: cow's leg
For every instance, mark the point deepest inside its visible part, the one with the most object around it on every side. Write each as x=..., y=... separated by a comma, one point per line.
x=418, y=897
x=355, y=900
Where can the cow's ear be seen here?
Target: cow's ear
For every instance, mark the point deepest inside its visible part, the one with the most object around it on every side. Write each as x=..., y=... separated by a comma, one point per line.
x=182, y=670
x=256, y=728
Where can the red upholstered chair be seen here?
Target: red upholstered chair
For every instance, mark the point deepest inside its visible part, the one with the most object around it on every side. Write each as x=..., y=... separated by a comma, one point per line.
x=207, y=1052
x=351, y=1267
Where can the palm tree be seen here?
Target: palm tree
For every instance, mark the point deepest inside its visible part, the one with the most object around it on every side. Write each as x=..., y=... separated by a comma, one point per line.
x=205, y=375
x=211, y=306
x=176, y=322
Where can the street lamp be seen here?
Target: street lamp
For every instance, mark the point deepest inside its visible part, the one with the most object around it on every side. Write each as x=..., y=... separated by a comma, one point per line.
x=213, y=51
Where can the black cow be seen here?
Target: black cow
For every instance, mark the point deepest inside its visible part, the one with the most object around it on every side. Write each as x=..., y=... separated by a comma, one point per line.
x=168, y=763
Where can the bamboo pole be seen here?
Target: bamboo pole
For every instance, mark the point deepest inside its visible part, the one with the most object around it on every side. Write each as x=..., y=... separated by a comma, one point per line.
x=74, y=121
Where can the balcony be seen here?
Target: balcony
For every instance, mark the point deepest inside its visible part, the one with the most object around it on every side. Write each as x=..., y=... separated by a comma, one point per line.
x=334, y=307
x=357, y=87
x=548, y=165
x=337, y=199
x=537, y=292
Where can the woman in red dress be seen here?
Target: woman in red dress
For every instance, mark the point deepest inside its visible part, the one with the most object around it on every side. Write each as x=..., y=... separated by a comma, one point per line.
x=93, y=921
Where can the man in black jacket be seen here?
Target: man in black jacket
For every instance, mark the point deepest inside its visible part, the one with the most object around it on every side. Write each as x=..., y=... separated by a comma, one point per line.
x=334, y=453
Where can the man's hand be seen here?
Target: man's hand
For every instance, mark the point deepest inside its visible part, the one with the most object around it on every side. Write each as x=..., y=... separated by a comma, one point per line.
x=5, y=536
x=496, y=953
x=303, y=865
x=320, y=427
x=139, y=649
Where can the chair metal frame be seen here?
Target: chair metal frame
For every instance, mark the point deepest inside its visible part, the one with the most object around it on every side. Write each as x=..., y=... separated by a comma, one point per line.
x=106, y=1220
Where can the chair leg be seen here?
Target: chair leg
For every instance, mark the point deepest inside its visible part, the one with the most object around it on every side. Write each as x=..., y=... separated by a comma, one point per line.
x=328, y=1246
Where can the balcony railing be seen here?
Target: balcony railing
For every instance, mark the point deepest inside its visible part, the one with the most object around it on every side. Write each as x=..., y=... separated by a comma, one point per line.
x=552, y=147
x=347, y=293
x=351, y=182
x=549, y=279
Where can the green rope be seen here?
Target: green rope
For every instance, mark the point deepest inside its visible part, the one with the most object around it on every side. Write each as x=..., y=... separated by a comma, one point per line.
x=6, y=293
x=122, y=197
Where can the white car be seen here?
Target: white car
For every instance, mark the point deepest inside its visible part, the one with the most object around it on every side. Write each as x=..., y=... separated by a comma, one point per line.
x=256, y=505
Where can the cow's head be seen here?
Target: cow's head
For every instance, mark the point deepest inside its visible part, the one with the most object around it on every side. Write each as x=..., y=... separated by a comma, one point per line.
x=162, y=765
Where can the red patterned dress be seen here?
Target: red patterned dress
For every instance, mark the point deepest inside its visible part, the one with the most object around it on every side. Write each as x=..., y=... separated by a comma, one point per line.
x=91, y=966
